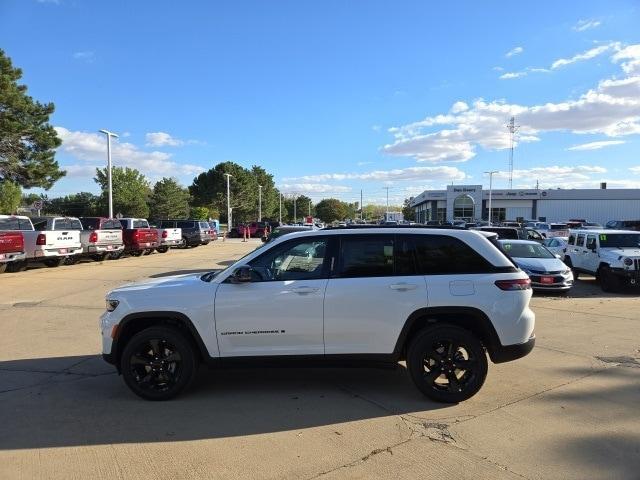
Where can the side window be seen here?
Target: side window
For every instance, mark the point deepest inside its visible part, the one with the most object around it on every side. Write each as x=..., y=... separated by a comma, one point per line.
x=533, y=235
x=123, y=223
x=184, y=225
x=298, y=260
x=572, y=239
x=591, y=242
x=405, y=253
x=441, y=254
x=553, y=242
x=580, y=240
x=366, y=256
x=9, y=224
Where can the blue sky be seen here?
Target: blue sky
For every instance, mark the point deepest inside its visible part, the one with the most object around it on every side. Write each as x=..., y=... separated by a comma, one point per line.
x=333, y=96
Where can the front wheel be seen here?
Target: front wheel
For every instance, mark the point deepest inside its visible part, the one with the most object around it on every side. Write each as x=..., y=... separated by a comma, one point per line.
x=447, y=363
x=3, y=267
x=569, y=264
x=148, y=251
x=136, y=253
x=183, y=243
x=158, y=363
x=162, y=249
x=54, y=262
x=608, y=281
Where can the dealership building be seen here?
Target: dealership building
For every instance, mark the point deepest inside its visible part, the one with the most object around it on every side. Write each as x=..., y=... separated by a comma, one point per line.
x=471, y=203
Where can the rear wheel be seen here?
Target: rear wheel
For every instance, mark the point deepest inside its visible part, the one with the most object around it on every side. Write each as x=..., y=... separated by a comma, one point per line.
x=183, y=243
x=569, y=264
x=608, y=281
x=4, y=267
x=19, y=266
x=148, y=251
x=447, y=363
x=54, y=262
x=136, y=253
x=99, y=257
x=162, y=249
x=158, y=363
x=115, y=255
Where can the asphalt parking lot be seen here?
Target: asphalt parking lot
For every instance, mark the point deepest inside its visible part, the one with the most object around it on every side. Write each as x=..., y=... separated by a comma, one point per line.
x=569, y=410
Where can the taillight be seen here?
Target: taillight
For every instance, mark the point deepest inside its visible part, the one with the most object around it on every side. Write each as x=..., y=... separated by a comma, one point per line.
x=164, y=234
x=136, y=234
x=42, y=239
x=516, y=284
x=93, y=237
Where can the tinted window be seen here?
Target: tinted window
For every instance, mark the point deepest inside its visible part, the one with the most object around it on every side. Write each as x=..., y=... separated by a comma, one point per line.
x=140, y=224
x=90, y=223
x=297, y=260
x=366, y=256
x=440, y=254
x=204, y=225
x=405, y=256
x=123, y=223
x=580, y=240
x=40, y=223
x=111, y=225
x=572, y=239
x=526, y=250
x=184, y=224
x=13, y=223
x=167, y=224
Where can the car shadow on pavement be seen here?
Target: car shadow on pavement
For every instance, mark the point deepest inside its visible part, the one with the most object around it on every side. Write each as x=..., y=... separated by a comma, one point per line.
x=76, y=401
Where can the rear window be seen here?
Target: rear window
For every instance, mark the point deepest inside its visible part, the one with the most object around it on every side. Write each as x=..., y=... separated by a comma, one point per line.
x=40, y=223
x=91, y=223
x=366, y=256
x=441, y=255
x=204, y=225
x=15, y=224
x=504, y=233
x=558, y=226
x=184, y=224
x=140, y=224
x=111, y=225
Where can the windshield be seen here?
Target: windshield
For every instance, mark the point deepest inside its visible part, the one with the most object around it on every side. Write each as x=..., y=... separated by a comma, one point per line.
x=558, y=226
x=526, y=250
x=620, y=240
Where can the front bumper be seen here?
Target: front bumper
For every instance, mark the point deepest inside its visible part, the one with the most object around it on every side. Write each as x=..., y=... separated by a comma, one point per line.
x=630, y=275
x=551, y=282
x=508, y=353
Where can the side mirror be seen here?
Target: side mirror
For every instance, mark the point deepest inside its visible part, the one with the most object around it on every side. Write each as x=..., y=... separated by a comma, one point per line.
x=241, y=274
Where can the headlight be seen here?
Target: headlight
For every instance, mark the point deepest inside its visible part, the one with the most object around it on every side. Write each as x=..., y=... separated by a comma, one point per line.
x=112, y=304
x=628, y=262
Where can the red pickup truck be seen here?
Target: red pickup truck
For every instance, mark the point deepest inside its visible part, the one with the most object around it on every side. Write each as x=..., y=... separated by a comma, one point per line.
x=12, y=251
x=254, y=229
x=138, y=237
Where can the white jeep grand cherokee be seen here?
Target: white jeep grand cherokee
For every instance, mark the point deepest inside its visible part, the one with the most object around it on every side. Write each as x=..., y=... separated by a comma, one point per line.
x=440, y=299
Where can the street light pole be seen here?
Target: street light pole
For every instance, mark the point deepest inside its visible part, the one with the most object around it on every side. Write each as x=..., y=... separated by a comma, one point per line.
x=259, y=203
x=490, y=190
x=295, y=213
x=280, y=216
x=228, y=175
x=109, y=135
x=309, y=207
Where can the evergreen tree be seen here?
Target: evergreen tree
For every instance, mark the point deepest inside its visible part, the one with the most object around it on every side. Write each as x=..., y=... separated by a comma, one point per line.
x=131, y=191
x=10, y=196
x=169, y=200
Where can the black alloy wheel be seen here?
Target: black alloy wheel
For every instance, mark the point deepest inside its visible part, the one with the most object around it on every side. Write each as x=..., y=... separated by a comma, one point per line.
x=447, y=363
x=158, y=363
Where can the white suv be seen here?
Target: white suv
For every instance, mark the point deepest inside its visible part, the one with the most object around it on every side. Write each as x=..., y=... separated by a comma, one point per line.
x=438, y=298
x=613, y=256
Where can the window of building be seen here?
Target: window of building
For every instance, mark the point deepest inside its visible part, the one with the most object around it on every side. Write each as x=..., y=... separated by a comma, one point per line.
x=441, y=215
x=463, y=207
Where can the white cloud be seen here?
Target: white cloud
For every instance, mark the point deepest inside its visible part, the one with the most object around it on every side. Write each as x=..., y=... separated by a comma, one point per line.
x=510, y=75
x=635, y=170
x=514, y=51
x=91, y=148
x=587, y=55
x=596, y=145
x=583, y=25
x=632, y=55
x=459, y=107
x=611, y=108
x=361, y=164
x=497, y=69
x=162, y=139
x=411, y=173
x=312, y=188
x=86, y=56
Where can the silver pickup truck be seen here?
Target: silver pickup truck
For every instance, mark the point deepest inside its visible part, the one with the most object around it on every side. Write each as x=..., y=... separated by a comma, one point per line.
x=101, y=238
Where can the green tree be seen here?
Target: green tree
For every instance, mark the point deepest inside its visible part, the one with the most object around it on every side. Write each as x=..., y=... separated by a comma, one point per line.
x=131, y=191
x=209, y=189
x=29, y=198
x=199, y=213
x=332, y=209
x=302, y=208
x=83, y=204
x=27, y=141
x=408, y=211
x=10, y=196
x=169, y=200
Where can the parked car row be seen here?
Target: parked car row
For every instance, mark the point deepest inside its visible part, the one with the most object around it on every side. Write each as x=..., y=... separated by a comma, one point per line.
x=55, y=240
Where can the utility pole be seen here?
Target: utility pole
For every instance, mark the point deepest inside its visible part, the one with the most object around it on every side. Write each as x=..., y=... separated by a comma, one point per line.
x=513, y=129
x=361, y=207
x=228, y=175
x=295, y=212
x=309, y=208
x=387, y=188
x=280, y=217
x=490, y=173
x=259, y=203
x=109, y=135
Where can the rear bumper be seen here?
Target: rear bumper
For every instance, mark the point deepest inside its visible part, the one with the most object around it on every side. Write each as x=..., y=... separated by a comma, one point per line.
x=141, y=246
x=104, y=248
x=12, y=257
x=57, y=252
x=508, y=353
x=170, y=243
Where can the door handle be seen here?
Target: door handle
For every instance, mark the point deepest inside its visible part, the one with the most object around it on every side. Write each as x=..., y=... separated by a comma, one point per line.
x=403, y=286
x=302, y=290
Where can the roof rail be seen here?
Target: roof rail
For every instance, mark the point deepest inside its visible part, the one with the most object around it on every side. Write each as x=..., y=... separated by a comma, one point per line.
x=361, y=226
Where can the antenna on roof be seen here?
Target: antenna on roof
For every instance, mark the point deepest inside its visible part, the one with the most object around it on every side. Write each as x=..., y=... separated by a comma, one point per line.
x=513, y=129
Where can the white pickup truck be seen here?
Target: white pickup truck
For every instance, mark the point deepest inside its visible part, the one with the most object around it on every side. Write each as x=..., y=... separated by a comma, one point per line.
x=167, y=237
x=53, y=240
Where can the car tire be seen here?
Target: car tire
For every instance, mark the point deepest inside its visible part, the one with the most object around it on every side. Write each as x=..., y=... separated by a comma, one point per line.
x=99, y=257
x=158, y=363
x=569, y=264
x=19, y=266
x=148, y=251
x=162, y=249
x=54, y=262
x=608, y=281
x=136, y=253
x=4, y=267
x=435, y=358
x=183, y=243
x=115, y=255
